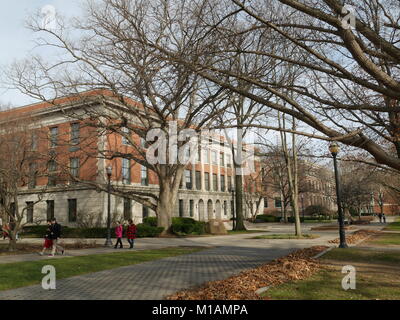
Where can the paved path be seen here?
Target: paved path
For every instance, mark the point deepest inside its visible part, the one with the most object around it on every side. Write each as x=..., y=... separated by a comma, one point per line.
x=157, y=279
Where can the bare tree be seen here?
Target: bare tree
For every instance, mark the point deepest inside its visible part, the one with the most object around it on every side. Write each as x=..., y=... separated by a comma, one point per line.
x=140, y=88
x=20, y=166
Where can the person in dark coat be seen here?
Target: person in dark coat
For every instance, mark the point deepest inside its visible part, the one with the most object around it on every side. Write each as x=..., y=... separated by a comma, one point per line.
x=55, y=232
x=131, y=233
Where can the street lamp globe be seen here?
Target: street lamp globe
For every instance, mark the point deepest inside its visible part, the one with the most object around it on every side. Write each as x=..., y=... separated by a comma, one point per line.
x=109, y=171
x=334, y=148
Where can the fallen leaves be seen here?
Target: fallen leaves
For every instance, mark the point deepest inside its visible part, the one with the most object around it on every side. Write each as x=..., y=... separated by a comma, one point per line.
x=356, y=236
x=296, y=266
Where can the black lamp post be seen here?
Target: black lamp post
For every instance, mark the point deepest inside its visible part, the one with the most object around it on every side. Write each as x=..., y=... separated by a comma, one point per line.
x=334, y=149
x=108, y=241
x=233, y=209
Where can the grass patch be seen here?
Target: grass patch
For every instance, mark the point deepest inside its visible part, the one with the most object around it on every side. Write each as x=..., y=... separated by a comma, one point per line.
x=286, y=236
x=20, y=274
x=385, y=239
x=375, y=278
x=394, y=225
x=361, y=255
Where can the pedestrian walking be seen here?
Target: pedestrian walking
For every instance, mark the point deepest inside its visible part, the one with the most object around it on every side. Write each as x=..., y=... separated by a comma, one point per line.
x=131, y=233
x=384, y=218
x=119, y=230
x=55, y=232
x=48, y=242
x=380, y=217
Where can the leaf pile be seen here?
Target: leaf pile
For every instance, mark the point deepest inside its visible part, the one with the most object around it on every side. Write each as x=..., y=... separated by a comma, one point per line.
x=356, y=236
x=296, y=266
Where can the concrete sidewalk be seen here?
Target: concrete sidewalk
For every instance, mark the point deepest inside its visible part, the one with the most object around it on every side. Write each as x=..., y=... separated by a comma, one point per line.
x=157, y=279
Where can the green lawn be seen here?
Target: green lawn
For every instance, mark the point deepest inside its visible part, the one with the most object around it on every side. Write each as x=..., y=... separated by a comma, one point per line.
x=385, y=239
x=394, y=225
x=376, y=278
x=14, y=275
x=286, y=236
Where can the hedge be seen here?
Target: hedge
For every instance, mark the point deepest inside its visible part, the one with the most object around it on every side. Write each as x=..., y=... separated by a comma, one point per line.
x=267, y=218
x=143, y=230
x=184, y=226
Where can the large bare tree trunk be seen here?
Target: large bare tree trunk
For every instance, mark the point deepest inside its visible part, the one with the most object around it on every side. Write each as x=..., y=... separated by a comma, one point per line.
x=239, y=202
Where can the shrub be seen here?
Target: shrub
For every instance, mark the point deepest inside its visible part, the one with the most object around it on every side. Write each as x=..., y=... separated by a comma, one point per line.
x=317, y=210
x=183, y=226
x=267, y=218
x=152, y=221
x=292, y=220
x=146, y=230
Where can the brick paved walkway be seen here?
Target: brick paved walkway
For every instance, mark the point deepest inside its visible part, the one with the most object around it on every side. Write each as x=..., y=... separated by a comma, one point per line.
x=152, y=280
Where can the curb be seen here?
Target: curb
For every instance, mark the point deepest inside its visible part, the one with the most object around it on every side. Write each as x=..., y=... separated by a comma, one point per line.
x=323, y=252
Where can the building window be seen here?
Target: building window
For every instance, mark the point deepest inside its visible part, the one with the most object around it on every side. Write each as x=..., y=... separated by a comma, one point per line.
x=228, y=161
x=207, y=181
x=229, y=183
x=198, y=180
x=53, y=137
x=126, y=171
x=191, y=205
x=52, y=168
x=145, y=212
x=215, y=182
x=32, y=175
x=75, y=127
x=29, y=212
x=205, y=157
x=222, y=160
x=222, y=183
x=278, y=203
x=72, y=210
x=181, y=208
x=225, y=208
x=50, y=209
x=198, y=154
x=188, y=179
x=74, y=167
x=127, y=209
x=265, y=203
x=144, y=176
x=214, y=157
x=124, y=139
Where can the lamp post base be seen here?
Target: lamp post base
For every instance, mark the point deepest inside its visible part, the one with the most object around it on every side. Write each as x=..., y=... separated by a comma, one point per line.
x=108, y=243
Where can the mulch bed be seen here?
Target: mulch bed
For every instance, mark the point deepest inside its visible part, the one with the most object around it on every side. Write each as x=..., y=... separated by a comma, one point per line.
x=296, y=266
x=356, y=236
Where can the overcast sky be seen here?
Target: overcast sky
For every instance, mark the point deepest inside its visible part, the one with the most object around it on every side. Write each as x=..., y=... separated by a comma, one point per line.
x=16, y=40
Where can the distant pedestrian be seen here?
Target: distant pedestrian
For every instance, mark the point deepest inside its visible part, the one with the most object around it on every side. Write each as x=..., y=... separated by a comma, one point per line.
x=384, y=218
x=119, y=230
x=48, y=242
x=55, y=232
x=6, y=231
x=380, y=217
x=131, y=233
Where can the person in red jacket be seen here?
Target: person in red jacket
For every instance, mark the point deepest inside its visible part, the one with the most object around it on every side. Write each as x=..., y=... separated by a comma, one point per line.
x=131, y=233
